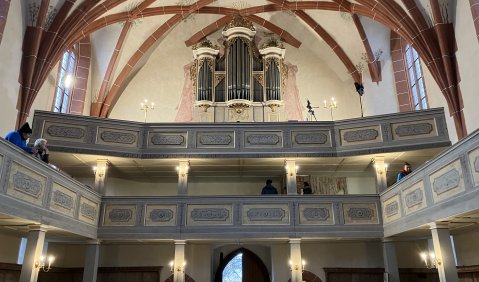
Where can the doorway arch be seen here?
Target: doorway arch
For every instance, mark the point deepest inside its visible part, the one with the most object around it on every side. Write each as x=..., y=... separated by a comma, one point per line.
x=309, y=277
x=253, y=268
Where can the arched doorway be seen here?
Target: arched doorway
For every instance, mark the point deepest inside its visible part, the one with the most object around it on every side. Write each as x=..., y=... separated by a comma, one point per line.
x=309, y=277
x=242, y=265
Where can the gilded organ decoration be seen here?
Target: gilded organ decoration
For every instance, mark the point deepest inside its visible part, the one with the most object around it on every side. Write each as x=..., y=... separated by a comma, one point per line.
x=242, y=85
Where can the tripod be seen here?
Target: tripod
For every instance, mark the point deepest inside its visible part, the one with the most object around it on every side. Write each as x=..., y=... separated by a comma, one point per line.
x=311, y=114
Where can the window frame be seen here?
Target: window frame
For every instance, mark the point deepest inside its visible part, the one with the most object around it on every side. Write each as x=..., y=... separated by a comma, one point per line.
x=415, y=79
x=62, y=92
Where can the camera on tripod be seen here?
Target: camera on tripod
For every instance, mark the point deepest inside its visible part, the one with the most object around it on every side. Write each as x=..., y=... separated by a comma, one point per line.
x=310, y=108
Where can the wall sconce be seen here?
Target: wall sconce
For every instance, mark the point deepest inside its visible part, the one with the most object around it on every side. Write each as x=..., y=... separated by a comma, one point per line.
x=290, y=171
x=44, y=265
x=179, y=268
x=296, y=266
x=99, y=171
x=145, y=106
x=184, y=171
x=381, y=169
x=430, y=260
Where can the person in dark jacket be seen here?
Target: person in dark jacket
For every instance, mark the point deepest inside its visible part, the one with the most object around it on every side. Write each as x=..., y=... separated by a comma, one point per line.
x=42, y=150
x=19, y=137
x=307, y=189
x=269, y=188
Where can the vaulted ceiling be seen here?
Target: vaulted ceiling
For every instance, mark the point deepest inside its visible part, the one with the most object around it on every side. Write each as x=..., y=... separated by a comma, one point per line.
x=349, y=36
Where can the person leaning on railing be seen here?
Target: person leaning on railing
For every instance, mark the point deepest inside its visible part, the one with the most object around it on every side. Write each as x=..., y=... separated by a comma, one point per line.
x=19, y=137
x=42, y=150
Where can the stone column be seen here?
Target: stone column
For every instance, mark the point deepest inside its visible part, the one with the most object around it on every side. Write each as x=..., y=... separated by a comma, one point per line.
x=179, y=263
x=183, y=168
x=33, y=252
x=91, y=261
x=444, y=253
x=291, y=186
x=390, y=261
x=380, y=169
x=101, y=170
x=296, y=262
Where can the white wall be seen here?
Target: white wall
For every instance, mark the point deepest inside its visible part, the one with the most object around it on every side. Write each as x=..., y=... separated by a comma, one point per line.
x=9, y=246
x=468, y=62
x=361, y=185
x=10, y=60
x=467, y=246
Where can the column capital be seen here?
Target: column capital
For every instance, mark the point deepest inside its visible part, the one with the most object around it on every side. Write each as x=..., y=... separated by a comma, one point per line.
x=180, y=242
x=37, y=227
x=294, y=240
x=93, y=242
x=435, y=225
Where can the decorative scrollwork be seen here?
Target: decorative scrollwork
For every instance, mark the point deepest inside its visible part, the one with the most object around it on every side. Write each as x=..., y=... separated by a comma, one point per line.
x=26, y=184
x=118, y=137
x=88, y=211
x=263, y=214
x=120, y=215
x=260, y=139
x=414, y=129
x=447, y=181
x=392, y=209
x=161, y=215
x=167, y=139
x=65, y=131
x=361, y=135
x=63, y=200
x=210, y=214
x=316, y=214
x=360, y=213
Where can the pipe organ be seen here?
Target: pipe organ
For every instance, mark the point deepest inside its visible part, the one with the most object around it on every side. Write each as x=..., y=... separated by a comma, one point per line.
x=242, y=85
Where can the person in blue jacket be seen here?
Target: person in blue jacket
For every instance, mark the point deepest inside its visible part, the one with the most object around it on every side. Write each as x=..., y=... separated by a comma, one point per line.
x=19, y=137
x=405, y=171
x=269, y=188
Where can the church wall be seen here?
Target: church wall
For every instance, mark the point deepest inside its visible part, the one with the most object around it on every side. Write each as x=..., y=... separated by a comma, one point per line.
x=467, y=245
x=407, y=253
x=46, y=95
x=9, y=248
x=468, y=60
x=231, y=185
x=361, y=185
x=10, y=58
x=67, y=255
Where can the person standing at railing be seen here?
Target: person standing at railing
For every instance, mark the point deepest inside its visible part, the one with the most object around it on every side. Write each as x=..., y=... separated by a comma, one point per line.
x=19, y=137
x=269, y=189
x=42, y=150
x=307, y=189
x=405, y=171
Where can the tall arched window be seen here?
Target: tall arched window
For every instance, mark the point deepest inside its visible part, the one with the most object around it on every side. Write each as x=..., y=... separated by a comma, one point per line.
x=66, y=75
x=416, y=82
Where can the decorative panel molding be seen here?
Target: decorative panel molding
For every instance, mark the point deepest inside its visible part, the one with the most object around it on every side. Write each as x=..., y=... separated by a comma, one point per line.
x=362, y=135
x=117, y=137
x=316, y=214
x=63, y=200
x=391, y=209
x=414, y=129
x=25, y=184
x=209, y=215
x=266, y=214
x=160, y=215
x=474, y=163
x=167, y=139
x=447, y=182
x=259, y=139
x=88, y=211
x=414, y=198
x=360, y=213
x=64, y=132
x=375, y=134
x=215, y=140
x=310, y=138
x=119, y=215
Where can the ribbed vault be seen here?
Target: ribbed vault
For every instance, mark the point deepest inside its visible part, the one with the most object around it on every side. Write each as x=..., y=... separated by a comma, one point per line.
x=429, y=33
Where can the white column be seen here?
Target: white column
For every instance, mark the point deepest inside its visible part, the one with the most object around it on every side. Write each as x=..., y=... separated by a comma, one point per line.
x=101, y=170
x=380, y=169
x=296, y=263
x=444, y=253
x=291, y=186
x=33, y=252
x=91, y=261
x=179, y=262
x=390, y=261
x=183, y=168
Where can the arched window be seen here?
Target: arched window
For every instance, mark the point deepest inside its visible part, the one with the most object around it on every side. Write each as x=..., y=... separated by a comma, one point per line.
x=233, y=271
x=415, y=78
x=66, y=75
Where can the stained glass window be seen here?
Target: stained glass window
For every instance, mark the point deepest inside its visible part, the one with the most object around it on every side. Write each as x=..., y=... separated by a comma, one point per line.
x=233, y=271
x=416, y=82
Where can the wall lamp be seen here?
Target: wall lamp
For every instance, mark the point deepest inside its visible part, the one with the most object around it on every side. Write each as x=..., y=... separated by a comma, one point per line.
x=99, y=171
x=183, y=170
x=44, y=264
x=291, y=171
x=177, y=268
x=430, y=260
x=380, y=169
x=295, y=267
